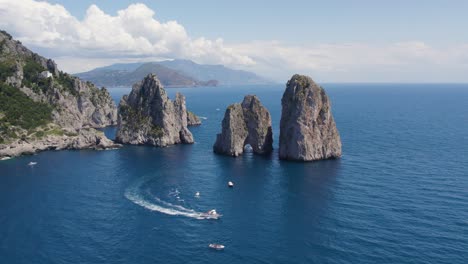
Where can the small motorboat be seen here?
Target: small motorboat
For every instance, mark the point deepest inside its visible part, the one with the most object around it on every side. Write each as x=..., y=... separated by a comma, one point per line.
x=216, y=246
x=231, y=184
x=197, y=194
x=211, y=214
x=32, y=163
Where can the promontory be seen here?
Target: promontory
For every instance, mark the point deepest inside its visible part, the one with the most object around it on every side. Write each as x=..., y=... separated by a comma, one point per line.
x=44, y=108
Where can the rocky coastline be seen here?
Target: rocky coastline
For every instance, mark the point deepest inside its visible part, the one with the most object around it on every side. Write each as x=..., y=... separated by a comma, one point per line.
x=81, y=139
x=43, y=108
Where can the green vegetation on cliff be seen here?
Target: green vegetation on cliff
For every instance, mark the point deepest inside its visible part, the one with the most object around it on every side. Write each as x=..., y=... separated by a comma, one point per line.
x=32, y=79
x=156, y=131
x=7, y=69
x=19, y=110
x=38, y=101
x=134, y=118
x=67, y=82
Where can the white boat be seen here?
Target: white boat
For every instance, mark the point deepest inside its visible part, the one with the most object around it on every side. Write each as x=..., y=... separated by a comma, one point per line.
x=216, y=246
x=32, y=163
x=211, y=214
x=197, y=194
x=231, y=184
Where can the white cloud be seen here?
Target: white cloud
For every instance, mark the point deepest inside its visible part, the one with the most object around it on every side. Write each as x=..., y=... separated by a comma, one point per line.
x=411, y=61
x=134, y=34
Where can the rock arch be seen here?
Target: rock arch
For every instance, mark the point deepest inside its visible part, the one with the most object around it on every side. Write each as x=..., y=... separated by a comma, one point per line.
x=247, y=123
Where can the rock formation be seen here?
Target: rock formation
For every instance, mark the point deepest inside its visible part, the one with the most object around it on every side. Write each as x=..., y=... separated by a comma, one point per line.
x=35, y=96
x=246, y=123
x=148, y=117
x=81, y=139
x=76, y=103
x=192, y=119
x=307, y=129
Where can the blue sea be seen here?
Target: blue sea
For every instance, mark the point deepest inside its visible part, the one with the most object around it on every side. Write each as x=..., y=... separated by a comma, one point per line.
x=399, y=194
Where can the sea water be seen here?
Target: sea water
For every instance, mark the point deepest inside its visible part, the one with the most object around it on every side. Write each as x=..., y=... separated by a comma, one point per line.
x=399, y=194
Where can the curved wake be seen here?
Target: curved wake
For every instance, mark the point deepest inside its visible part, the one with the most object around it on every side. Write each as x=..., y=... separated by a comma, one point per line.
x=134, y=194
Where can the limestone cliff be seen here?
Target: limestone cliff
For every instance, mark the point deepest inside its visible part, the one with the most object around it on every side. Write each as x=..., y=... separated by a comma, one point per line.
x=192, y=119
x=307, y=129
x=147, y=116
x=86, y=138
x=245, y=123
x=35, y=96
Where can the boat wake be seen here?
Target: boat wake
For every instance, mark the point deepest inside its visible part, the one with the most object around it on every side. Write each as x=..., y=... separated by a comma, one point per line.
x=135, y=194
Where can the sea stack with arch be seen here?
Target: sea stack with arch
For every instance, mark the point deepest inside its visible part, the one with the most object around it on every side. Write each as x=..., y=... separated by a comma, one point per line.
x=307, y=129
x=246, y=123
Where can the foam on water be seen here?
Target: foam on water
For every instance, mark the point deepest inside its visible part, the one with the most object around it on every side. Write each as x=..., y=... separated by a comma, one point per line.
x=135, y=194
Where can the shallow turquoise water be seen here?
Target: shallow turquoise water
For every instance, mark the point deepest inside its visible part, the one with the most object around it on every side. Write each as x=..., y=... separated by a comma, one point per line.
x=398, y=195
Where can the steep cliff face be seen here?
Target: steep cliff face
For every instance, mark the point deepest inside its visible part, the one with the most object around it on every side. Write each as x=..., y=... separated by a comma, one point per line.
x=245, y=123
x=75, y=103
x=147, y=116
x=307, y=129
x=35, y=94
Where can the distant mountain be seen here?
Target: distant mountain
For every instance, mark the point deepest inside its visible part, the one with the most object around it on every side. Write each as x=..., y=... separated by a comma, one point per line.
x=171, y=74
x=129, y=74
x=121, y=66
x=224, y=75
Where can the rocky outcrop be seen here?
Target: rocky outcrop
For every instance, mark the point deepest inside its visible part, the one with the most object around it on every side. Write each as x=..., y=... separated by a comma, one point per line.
x=307, y=129
x=83, y=106
x=64, y=101
x=59, y=140
x=148, y=117
x=245, y=123
x=192, y=119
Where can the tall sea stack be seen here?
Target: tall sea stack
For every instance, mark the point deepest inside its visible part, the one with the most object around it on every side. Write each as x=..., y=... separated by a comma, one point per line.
x=245, y=123
x=307, y=129
x=148, y=117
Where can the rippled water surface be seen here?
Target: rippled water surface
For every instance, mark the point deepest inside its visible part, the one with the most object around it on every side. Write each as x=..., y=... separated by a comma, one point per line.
x=398, y=195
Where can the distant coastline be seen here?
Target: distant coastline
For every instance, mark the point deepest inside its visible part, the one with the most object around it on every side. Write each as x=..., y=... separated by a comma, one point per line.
x=171, y=73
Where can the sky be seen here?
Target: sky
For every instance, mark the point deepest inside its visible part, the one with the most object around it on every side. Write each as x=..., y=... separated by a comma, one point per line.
x=332, y=41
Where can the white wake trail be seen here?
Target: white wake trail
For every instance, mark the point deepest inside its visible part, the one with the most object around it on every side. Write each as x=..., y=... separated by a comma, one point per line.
x=133, y=193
